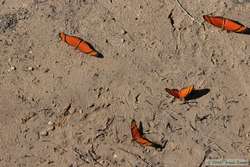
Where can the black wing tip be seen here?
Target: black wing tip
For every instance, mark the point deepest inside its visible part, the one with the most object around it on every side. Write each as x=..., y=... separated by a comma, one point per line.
x=246, y=31
x=99, y=55
x=160, y=146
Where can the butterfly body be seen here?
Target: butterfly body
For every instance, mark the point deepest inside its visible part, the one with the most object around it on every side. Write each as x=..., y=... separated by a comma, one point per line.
x=80, y=44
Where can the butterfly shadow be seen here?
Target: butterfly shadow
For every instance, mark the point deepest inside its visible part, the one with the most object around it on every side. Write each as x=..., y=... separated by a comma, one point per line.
x=159, y=147
x=195, y=94
x=141, y=128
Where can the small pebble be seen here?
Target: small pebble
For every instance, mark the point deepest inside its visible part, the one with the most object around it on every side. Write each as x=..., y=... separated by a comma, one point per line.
x=30, y=68
x=46, y=70
x=248, y=134
x=81, y=111
x=72, y=110
x=44, y=133
x=173, y=146
x=123, y=32
x=123, y=40
x=50, y=123
x=50, y=128
x=115, y=156
x=12, y=68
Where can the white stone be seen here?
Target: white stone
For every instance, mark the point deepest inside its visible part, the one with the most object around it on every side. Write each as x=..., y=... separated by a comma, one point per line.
x=30, y=68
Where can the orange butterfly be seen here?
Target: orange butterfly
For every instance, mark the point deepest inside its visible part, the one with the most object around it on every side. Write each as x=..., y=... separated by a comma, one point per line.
x=80, y=44
x=226, y=24
x=180, y=94
x=137, y=135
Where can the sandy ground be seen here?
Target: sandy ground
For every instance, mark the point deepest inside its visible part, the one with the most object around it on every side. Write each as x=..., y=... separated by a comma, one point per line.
x=61, y=109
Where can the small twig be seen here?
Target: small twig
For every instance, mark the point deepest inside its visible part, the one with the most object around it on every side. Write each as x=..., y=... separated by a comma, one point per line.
x=164, y=145
x=116, y=136
x=160, y=76
x=207, y=152
x=189, y=103
x=187, y=13
x=108, y=123
x=220, y=148
x=93, y=156
x=173, y=117
x=169, y=126
x=163, y=105
x=137, y=97
x=197, y=118
x=82, y=156
x=102, y=131
x=66, y=109
x=28, y=117
x=241, y=130
x=138, y=157
x=148, y=102
x=192, y=127
x=170, y=17
x=87, y=157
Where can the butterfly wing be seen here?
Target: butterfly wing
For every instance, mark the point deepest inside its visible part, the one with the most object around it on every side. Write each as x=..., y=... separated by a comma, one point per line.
x=135, y=130
x=138, y=137
x=89, y=49
x=173, y=92
x=225, y=23
x=184, y=92
x=71, y=40
x=86, y=48
x=234, y=26
x=214, y=20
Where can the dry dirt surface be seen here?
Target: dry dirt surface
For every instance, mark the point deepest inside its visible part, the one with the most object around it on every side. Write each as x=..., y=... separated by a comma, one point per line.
x=60, y=108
